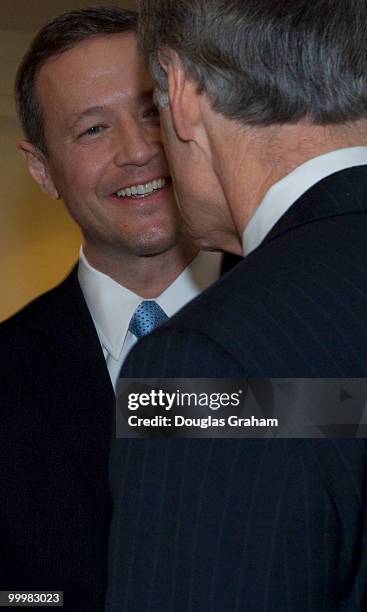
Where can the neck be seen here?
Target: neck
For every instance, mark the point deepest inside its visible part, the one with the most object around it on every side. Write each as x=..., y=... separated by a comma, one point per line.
x=266, y=155
x=147, y=276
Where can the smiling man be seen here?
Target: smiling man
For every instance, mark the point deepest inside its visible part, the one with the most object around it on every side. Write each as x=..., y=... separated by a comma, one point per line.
x=92, y=138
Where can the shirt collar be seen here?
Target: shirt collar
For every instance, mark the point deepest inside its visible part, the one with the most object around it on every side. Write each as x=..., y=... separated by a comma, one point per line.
x=111, y=305
x=285, y=192
x=195, y=278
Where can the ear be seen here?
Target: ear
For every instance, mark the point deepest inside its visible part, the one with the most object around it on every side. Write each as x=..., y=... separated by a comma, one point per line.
x=38, y=168
x=183, y=95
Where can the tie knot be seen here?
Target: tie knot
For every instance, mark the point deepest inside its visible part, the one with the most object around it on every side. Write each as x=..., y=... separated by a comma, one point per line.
x=146, y=318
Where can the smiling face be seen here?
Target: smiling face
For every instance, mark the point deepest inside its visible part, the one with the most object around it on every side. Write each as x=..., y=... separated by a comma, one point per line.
x=105, y=157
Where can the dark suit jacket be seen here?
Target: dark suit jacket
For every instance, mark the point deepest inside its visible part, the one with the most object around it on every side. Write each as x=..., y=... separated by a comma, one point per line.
x=255, y=525
x=56, y=408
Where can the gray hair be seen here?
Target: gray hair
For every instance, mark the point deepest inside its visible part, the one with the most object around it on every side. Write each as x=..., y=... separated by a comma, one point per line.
x=265, y=61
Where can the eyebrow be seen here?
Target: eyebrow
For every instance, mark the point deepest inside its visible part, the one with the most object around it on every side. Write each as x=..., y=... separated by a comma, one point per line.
x=93, y=110
x=77, y=117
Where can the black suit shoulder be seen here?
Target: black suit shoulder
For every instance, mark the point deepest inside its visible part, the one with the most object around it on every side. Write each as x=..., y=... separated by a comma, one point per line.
x=294, y=307
x=19, y=333
x=40, y=312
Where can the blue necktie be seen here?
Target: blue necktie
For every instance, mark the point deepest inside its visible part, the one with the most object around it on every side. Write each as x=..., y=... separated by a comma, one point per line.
x=146, y=318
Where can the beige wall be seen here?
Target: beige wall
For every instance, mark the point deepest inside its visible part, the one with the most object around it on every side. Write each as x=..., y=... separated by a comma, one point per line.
x=38, y=240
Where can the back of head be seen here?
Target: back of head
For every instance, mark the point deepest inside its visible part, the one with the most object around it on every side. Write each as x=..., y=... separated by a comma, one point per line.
x=266, y=62
x=56, y=37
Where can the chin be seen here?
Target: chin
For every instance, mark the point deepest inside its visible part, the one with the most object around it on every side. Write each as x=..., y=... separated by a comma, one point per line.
x=204, y=245
x=215, y=239
x=150, y=246
x=201, y=241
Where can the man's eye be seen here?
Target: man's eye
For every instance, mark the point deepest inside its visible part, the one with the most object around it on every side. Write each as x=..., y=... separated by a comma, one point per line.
x=92, y=131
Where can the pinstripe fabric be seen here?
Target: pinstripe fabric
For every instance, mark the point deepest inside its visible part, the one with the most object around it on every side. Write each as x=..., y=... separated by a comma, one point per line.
x=227, y=525
x=255, y=525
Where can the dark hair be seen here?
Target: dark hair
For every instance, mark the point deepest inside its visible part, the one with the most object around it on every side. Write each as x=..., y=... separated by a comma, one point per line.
x=265, y=61
x=58, y=36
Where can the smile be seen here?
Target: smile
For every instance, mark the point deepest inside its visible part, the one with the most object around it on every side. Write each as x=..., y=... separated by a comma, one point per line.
x=139, y=191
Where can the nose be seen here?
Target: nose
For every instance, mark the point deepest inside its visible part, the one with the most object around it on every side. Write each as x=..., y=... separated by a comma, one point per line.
x=136, y=145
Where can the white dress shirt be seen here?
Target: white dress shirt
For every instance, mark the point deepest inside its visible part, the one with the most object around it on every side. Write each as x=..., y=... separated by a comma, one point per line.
x=285, y=192
x=112, y=305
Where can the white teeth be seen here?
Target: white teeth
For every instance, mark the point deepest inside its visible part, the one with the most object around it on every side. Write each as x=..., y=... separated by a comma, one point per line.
x=141, y=190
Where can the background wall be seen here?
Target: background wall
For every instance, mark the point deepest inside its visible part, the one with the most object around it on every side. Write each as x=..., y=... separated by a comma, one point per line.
x=38, y=240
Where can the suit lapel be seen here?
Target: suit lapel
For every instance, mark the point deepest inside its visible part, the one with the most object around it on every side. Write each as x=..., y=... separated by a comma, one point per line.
x=72, y=384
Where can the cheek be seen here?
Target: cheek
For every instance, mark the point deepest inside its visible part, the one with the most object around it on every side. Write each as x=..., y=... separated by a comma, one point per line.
x=79, y=177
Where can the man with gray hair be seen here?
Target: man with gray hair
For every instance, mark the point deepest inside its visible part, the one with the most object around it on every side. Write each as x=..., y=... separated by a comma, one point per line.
x=264, y=114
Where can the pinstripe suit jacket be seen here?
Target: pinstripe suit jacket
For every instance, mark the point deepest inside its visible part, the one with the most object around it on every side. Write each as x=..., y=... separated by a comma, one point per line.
x=255, y=525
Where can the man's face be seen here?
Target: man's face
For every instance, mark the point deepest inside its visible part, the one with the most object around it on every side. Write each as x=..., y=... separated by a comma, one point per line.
x=105, y=155
x=199, y=193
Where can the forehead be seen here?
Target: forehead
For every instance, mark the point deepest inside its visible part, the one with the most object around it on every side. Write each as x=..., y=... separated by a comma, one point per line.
x=95, y=70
